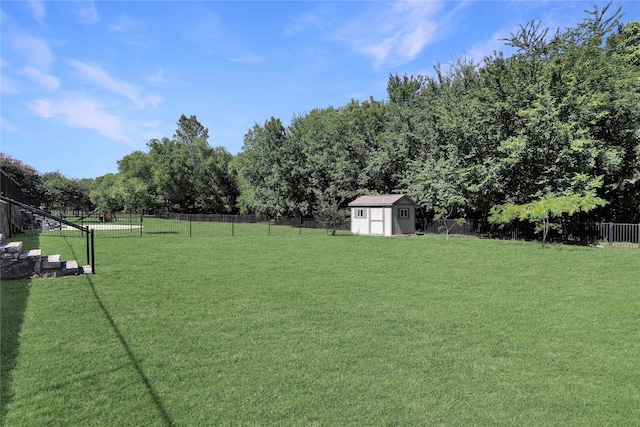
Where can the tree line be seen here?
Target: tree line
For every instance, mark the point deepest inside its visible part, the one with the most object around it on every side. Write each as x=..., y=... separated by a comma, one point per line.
x=559, y=118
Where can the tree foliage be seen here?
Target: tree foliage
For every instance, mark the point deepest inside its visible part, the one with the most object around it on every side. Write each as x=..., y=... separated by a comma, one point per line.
x=543, y=212
x=104, y=193
x=24, y=175
x=330, y=216
x=556, y=118
x=185, y=173
x=59, y=192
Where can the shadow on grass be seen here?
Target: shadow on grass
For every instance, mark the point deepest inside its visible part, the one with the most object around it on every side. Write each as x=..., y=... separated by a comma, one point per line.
x=13, y=304
x=130, y=354
x=132, y=358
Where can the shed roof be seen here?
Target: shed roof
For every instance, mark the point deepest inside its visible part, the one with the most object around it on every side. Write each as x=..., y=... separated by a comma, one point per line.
x=381, y=200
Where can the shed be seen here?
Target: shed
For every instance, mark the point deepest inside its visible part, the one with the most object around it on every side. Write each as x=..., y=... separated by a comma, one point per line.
x=383, y=215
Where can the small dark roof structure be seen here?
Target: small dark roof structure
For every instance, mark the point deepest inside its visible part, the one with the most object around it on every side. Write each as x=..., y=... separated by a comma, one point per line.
x=381, y=200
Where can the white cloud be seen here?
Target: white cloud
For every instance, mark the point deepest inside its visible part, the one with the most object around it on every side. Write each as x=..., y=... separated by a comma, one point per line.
x=7, y=126
x=153, y=100
x=248, y=59
x=8, y=85
x=38, y=9
x=44, y=80
x=80, y=112
x=88, y=13
x=129, y=31
x=306, y=21
x=96, y=74
x=157, y=78
x=150, y=130
x=35, y=51
x=394, y=35
x=124, y=23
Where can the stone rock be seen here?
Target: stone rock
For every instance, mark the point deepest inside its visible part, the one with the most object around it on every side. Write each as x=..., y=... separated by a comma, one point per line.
x=19, y=264
x=19, y=269
x=11, y=247
x=50, y=261
x=33, y=253
x=50, y=274
x=70, y=268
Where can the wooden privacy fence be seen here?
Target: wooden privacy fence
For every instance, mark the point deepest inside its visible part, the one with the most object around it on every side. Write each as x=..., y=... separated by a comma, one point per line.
x=585, y=233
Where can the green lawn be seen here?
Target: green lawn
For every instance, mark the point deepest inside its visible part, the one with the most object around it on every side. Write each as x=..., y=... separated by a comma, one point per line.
x=319, y=330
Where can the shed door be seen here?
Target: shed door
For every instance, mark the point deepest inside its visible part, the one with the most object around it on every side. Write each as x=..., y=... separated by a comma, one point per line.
x=377, y=221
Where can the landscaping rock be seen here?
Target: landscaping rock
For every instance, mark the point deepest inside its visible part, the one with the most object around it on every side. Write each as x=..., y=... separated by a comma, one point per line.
x=51, y=261
x=70, y=268
x=11, y=247
x=19, y=264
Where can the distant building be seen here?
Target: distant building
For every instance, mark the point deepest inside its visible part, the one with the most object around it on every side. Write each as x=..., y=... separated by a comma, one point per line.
x=383, y=215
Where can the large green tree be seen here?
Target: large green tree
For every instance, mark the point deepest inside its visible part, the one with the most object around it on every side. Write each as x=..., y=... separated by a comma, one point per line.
x=185, y=173
x=26, y=176
x=105, y=195
x=59, y=192
x=261, y=170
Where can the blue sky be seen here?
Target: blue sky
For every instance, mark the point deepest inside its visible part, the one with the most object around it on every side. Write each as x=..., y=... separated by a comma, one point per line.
x=84, y=83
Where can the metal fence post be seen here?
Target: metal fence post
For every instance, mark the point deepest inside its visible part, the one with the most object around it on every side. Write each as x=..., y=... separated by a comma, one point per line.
x=93, y=255
x=233, y=226
x=610, y=234
x=88, y=253
x=190, y=226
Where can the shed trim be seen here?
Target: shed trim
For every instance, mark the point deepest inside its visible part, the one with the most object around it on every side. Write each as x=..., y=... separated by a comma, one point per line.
x=381, y=200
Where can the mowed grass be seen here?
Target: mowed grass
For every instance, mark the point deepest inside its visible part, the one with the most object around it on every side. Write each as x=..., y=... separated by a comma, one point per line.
x=321, y=330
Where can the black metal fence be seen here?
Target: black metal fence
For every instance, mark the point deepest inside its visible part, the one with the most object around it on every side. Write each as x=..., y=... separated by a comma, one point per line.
x=570, y=232
x=163, y=223
x=619, y=234
x=11, y=189
x=37, y=221
x=297, y=222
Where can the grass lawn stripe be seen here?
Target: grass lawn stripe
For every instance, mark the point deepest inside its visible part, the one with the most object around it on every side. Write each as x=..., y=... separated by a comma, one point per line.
x=321, y=330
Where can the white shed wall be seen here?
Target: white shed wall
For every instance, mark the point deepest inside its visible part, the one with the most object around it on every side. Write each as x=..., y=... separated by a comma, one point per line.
x=388, y=221
x=359, y=225
x=379, y=221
